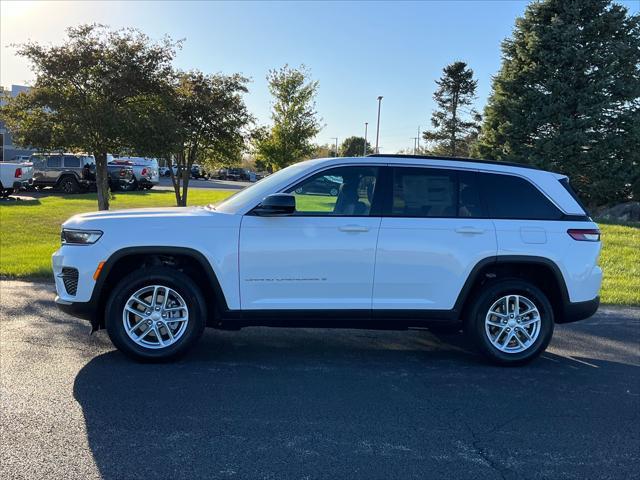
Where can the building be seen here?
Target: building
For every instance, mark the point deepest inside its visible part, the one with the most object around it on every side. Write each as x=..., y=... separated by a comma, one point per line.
x=9, y=150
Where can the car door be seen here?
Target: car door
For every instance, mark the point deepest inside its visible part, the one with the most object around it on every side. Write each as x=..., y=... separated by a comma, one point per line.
x=432, y=235
x=320, y=257
x=53, y=169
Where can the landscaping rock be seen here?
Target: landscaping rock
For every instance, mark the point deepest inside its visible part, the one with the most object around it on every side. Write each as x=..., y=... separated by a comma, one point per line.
x=627, y=212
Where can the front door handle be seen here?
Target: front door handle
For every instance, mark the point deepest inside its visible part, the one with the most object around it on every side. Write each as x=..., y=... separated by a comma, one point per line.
x=353, y=228
x=470, y=230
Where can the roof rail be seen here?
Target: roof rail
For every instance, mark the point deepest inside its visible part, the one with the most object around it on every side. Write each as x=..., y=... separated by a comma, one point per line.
x=459, y=159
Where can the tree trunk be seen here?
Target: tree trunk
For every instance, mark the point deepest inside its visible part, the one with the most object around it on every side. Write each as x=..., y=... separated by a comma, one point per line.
x=454, y=123
x=175, y=181
x=186, y=174
x=102, y=181
x=185, y=186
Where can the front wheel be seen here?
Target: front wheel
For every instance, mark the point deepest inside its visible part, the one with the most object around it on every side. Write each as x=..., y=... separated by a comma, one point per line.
x=155, y=314
x=510, y=322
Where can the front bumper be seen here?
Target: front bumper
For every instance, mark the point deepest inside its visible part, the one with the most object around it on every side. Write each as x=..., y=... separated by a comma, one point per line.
x=83, y=310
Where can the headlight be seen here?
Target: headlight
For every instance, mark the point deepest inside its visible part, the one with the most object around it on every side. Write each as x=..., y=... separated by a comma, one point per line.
x=79, y=237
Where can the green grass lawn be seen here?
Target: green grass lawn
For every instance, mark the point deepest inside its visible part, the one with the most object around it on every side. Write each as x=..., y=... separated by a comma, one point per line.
x=30, y=233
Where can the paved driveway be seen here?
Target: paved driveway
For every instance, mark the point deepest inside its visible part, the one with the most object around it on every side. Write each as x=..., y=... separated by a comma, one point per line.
x=279, y=404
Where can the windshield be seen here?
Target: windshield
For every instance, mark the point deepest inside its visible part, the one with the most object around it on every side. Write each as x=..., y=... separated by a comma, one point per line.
x=259, y=190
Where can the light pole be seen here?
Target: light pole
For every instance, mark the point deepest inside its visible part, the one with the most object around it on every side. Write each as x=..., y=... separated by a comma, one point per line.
x=336, y=139
x=415, y=139
x=418, y=137
x=366, y=125
x=378, y=126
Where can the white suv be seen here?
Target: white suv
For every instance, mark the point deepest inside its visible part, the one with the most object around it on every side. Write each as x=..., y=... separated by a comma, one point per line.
x=502, y=250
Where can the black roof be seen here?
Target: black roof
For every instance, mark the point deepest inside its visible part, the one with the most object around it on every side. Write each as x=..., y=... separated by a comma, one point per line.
x=459, y=159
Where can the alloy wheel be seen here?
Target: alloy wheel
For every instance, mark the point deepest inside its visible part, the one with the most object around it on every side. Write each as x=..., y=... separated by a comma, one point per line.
x=512, y=323
x=155, y=316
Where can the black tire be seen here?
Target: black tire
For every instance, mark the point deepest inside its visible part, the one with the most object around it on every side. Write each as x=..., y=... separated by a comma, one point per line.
x=474, y=325
x=69, y=185
x=134, y=186
x=164, y=276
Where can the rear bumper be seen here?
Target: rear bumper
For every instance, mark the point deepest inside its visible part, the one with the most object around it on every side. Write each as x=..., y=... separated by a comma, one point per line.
x=19, y=184
x=575, y=311
x=148, y=180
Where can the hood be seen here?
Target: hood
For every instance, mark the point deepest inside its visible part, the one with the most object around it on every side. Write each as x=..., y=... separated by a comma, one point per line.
x=95, y=219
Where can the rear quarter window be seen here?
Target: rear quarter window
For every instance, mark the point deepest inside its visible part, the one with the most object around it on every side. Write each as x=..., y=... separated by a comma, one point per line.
x=71, y=161
x=511, y=197
x=565, y=183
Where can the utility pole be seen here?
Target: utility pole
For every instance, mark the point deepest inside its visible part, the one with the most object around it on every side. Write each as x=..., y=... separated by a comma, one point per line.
x=336, y=139
x=418, y=137
x=366, y=125
x=378, y=126
x=415, y=139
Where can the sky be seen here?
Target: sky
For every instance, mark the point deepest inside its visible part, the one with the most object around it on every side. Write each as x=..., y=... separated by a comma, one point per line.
x=357, y=50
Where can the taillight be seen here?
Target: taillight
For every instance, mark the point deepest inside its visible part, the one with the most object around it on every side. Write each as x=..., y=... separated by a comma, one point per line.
x=122, y=173
x=144, y=171
x=18, y=173
x=584, y=234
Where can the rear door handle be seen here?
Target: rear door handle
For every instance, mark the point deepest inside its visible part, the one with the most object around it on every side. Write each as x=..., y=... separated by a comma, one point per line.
x=470, y=230
x=353, y=228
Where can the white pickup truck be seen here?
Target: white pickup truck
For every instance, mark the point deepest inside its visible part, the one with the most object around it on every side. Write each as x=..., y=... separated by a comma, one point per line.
x=14, y=176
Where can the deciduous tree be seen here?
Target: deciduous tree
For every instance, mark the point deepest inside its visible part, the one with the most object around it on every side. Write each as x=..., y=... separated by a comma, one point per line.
x=209, y=120
x=295, y=120
x=90, y=92
x=354, y=147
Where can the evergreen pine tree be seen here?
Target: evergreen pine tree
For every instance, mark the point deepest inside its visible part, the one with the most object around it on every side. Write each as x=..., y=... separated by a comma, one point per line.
x=455, y=123
x=567, y=97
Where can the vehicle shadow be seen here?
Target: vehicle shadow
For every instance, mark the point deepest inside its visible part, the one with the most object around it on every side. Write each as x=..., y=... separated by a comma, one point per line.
x=23, y=201
x=284, y=403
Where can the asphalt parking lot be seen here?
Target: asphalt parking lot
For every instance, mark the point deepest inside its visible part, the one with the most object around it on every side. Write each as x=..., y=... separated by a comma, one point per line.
x=305, y=404
x=165, y=184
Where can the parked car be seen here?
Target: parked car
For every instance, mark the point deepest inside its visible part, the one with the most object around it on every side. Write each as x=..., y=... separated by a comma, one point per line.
x=121, y=177
x=198, y=171
x=145, y=170
x=164, y=172
x=322, y=186
x=67, y=172
x=236, y=174
x=14, y=176
x=502, y=250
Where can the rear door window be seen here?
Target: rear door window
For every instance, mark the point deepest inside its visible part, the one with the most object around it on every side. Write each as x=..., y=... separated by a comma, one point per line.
x=511, y=197
x=469, y=197
x=424, y=192
x=54, y=161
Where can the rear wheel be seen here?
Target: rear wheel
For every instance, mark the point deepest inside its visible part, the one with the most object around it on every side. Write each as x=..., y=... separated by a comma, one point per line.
x=155, y=314
x=69, y=185
x=510, y=322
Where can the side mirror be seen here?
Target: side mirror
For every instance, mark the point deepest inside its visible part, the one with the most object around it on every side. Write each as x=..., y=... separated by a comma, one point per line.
x=277, y=204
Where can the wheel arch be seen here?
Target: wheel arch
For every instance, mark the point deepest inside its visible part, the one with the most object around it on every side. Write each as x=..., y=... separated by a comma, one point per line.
x=541, y=271
x=188, y=260
x=64, y=175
